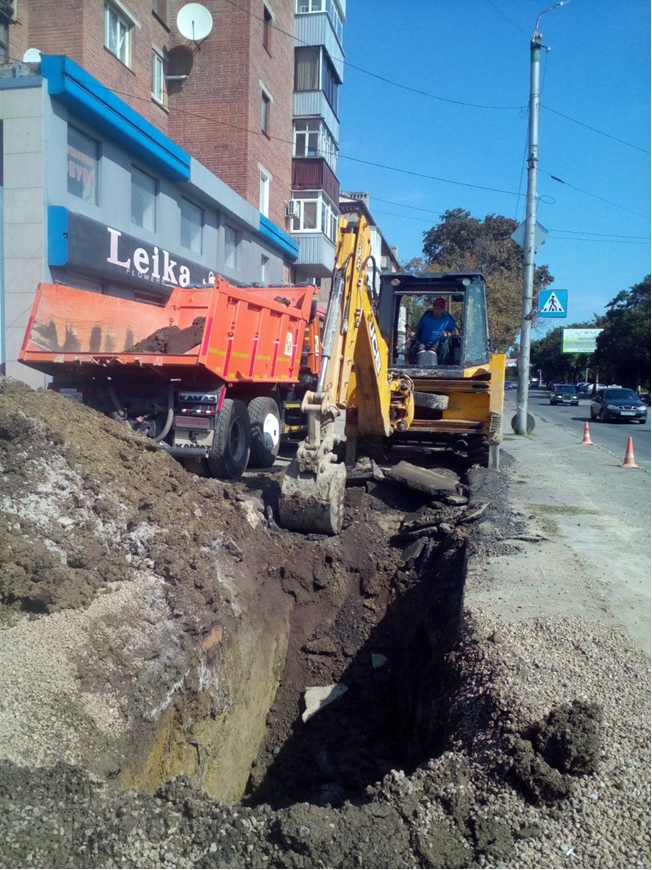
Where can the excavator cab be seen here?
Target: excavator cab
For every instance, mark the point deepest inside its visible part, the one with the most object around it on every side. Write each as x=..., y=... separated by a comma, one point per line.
x=459, y=385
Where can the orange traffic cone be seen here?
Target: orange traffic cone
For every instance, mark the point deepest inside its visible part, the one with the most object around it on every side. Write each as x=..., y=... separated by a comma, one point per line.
x=587, y=435
x=629, y=462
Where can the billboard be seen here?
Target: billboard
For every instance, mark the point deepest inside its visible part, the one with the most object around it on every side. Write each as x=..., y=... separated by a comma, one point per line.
x=579, y=340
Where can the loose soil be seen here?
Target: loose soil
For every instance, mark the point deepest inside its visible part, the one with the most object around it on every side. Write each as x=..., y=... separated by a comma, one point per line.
x=140, y=591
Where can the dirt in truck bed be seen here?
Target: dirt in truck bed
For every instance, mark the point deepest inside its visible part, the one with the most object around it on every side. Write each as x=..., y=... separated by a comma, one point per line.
x=379, y=719
x=171, y=339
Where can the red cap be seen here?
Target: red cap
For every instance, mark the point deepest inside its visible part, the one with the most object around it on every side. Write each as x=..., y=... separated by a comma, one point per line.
x=439, y=301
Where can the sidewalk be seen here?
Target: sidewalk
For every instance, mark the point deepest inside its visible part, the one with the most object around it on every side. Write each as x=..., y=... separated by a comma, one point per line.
x=595, y=518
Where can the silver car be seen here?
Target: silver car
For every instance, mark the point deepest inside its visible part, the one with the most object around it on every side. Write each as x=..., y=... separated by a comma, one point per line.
x=618, y=403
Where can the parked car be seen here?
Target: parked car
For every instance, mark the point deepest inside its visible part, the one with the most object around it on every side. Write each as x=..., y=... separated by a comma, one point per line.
x=583, y=387
x=618, y=403
x=564, y=394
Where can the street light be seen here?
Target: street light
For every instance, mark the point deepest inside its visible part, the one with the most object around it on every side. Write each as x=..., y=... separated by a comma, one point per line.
x=529, y=243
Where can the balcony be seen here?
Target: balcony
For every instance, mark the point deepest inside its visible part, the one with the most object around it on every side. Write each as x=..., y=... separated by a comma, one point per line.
x=313, y=173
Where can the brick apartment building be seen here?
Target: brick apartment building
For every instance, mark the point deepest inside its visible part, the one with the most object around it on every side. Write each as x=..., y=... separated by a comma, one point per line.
x=135, y=157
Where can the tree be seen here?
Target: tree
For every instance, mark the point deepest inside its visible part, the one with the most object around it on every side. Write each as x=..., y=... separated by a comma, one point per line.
x=460, y=243
x=567, y=368
x=623, y=348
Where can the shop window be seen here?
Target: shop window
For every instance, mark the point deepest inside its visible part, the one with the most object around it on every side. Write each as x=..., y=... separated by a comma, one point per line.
x=264, y=265
x=143, y=200
x=192, y=224
x=231, y=241
x=83, y=158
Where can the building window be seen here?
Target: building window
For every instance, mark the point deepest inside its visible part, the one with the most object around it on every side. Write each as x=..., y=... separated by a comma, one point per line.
x=317, y=214
x=4, y=40
x=265, y=179
x=230, y=247
x=160, y=9
x=267, y=29
x=83, y=155
x=331, y=7
x=265, y=109
x=312, y=138
x=158, y=77
x=143, y=200
x=117, y=33
x=192, y=223
x=314, y=71
x=264, y=262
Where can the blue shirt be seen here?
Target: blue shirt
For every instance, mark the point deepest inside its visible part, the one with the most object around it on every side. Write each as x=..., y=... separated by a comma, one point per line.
x=430, y=328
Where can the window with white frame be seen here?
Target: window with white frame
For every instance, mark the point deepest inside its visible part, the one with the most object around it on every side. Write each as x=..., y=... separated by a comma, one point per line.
x=158, y=76
x=317, y=213
x=329, y=6
x=265, y=181
x=143, y=200
x=312, y=138
x=117, y=32
x=231, y=240
x=83, y=158
x=192, y=224
x=314, y=71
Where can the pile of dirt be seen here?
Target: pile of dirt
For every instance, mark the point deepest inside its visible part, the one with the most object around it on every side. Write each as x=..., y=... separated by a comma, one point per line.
x=160, y=632
x=171, y=339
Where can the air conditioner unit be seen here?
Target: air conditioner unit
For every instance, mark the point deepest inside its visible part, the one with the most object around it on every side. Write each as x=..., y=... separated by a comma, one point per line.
x=292, y=208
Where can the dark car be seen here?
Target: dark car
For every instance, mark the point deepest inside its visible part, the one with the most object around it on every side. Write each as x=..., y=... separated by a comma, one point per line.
x=618, y=403
x=564, y=394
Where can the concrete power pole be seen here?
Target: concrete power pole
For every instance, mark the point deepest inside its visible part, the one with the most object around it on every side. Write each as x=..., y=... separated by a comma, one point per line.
x=530, y=228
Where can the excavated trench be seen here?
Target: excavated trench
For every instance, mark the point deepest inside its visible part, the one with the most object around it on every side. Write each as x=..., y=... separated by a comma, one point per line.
x=382, y=642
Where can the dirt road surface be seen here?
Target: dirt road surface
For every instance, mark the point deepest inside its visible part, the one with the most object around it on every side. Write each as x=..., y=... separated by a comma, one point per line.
x=158, y=632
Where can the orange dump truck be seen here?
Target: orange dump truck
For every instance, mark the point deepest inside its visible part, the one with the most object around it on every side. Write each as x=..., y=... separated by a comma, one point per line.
x=216, y=373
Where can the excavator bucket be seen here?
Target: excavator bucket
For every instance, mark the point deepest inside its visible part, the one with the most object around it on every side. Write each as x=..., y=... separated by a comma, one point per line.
x=313, y=503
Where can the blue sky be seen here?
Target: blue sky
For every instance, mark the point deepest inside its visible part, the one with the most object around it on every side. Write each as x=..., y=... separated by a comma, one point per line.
x=470, y=59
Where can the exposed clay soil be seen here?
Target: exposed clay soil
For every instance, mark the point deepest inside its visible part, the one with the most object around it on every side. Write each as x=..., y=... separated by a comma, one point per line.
x=376, y=779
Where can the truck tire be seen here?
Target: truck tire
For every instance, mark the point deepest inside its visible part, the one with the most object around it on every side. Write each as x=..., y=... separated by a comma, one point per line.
x=478, y=453
x=229, y=454
x=265, y=431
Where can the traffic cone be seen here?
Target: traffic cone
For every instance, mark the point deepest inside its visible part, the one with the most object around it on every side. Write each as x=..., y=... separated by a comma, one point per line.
x=629, y=462
x=587, y=435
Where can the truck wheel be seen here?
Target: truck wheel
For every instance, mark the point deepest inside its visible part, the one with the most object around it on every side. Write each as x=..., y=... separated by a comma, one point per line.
x=265, y=431
x=231, y=442
x=478, y=452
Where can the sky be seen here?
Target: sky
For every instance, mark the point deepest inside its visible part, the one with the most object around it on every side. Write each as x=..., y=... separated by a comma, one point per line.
x=434, y=116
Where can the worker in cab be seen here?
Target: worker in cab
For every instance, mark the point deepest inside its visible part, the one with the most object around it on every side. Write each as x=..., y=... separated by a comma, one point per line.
x=434, y=331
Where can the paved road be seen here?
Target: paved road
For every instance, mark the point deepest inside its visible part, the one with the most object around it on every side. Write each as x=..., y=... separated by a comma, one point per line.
x=611, y=436
x=598, y=514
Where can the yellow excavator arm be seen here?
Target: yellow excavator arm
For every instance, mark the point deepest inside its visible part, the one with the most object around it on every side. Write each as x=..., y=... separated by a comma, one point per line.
x=354, y=378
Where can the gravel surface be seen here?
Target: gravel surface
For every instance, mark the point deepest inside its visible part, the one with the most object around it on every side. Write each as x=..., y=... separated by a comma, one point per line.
x=541, y=707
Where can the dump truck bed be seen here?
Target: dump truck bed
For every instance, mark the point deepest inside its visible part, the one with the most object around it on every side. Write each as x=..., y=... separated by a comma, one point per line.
x=236, y=333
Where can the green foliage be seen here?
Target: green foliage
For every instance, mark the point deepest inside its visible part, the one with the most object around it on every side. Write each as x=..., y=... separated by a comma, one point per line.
x=460, y=243
x=564, y=368
x=623, y=348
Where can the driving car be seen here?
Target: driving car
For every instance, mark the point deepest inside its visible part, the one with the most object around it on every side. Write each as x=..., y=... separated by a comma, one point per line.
x=564, y=394
x=618, y=403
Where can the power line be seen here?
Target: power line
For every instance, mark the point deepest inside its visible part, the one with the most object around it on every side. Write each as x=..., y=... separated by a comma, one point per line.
x=594, y=129
x=593, y=195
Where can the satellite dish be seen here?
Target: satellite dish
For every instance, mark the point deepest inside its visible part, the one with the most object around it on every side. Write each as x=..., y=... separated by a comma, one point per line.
x=195, y=22
x=32, y=55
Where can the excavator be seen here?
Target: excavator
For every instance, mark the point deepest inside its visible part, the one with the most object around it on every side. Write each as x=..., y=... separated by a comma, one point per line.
x=386, y=394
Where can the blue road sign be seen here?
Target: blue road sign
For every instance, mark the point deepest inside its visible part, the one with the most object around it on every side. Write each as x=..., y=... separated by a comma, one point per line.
x=553, y=303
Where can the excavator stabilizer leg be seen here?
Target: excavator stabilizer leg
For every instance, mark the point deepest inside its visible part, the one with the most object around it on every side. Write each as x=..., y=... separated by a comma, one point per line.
x=310, y=503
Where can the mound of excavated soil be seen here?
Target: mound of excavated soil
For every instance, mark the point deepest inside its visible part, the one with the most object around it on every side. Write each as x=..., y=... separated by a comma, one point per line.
x=159, y=632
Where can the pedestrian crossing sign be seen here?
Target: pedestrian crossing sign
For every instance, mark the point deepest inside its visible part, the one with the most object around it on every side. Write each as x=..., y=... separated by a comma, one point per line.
x=553, y=303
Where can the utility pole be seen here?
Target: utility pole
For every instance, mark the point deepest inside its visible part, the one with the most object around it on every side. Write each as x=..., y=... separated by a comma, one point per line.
x=529, y=244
